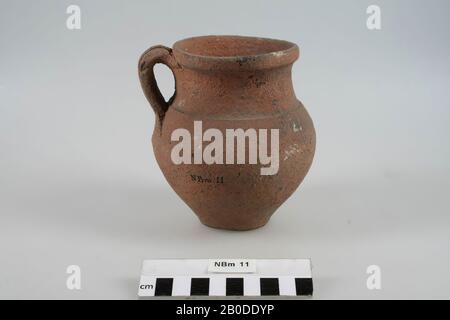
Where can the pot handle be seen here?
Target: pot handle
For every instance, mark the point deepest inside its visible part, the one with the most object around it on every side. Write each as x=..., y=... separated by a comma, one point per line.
x=152, y=56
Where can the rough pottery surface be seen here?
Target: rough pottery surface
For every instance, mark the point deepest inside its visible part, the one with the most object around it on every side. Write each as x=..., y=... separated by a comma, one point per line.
x=230, y=82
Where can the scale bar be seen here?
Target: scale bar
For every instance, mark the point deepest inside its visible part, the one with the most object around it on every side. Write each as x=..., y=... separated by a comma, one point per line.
x=221, y=286
x=193, y=278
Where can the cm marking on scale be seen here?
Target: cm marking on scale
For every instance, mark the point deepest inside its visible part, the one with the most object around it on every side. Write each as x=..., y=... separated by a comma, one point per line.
x=239, y=309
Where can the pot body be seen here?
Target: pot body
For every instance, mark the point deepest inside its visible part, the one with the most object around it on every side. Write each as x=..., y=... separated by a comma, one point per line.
x=233, y=92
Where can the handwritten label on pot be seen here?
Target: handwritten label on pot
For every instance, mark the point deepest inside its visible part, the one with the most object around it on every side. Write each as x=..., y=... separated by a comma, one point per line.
x=232, y=266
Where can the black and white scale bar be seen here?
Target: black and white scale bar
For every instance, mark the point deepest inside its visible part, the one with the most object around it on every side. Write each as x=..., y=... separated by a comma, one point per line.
x=226, y=278
x=182, y=286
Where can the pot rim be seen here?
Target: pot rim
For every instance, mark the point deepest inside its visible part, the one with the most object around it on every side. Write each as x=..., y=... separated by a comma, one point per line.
x=286, y=53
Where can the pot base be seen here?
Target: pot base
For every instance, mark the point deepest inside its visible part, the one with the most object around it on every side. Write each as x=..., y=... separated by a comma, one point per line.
x=234, y=226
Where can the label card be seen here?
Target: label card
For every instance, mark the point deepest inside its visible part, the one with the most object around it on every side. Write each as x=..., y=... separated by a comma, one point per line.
x=232, y=266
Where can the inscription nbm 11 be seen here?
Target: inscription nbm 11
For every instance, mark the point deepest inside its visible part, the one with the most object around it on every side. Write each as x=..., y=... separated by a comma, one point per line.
x=200, y=179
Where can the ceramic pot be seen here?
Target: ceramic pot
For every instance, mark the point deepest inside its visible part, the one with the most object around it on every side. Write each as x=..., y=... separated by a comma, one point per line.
x=229, y=87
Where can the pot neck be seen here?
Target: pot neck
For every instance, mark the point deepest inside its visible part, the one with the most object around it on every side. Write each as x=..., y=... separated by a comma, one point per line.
x=223, y=92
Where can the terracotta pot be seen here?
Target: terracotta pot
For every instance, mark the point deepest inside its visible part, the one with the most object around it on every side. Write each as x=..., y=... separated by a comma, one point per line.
x=230, y=82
